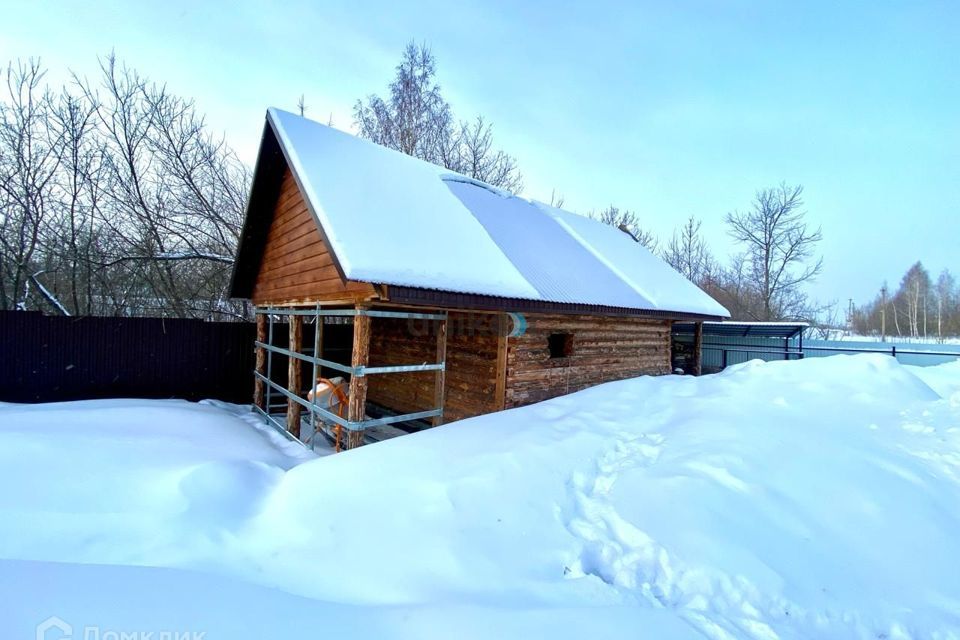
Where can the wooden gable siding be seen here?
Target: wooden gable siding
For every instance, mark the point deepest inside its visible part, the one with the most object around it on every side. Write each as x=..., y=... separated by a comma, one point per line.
x=604, y=348
x=296, y=266
x=471, y=365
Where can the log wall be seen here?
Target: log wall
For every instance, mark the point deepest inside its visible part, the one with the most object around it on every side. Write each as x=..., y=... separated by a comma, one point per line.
x=297, y=265
x=604, y=348
x=470, y=381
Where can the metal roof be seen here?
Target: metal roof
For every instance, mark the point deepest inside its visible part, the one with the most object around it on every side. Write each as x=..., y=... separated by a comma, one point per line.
x=395, y=220
x=558, y=267
x=744, y=329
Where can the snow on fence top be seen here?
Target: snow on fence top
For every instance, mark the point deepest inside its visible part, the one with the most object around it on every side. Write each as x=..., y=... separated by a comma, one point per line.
x=397, y=220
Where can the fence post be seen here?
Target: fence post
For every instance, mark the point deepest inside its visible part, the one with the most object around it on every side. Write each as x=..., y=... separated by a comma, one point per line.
x=697, y=348
x=893, y=351
x=723, y=358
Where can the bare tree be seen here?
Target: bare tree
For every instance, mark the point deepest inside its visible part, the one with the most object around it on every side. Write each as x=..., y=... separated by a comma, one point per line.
x=779, y=251
x=628, y=222
x=416, y=119
x=556, y=199
x=912, y=298
x=30, y=154
x=733, y=288
x=687, y=252
x=916, y=297
x=114, y=199
x=179, y=191
x=471, y=153
x=824, y=326
x=948, y=307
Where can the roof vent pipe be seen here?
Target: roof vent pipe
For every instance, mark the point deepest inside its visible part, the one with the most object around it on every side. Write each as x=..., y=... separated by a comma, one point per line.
x=627, y=231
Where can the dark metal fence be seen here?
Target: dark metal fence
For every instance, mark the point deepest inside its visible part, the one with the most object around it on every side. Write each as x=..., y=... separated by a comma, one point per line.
x=52, y=358
x=798, y=352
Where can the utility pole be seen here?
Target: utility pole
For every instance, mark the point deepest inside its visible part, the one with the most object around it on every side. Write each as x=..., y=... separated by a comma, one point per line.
x=850, y=316
x=883, y=313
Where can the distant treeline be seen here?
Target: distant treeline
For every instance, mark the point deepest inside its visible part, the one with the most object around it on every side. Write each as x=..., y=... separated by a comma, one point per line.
x=919, y=308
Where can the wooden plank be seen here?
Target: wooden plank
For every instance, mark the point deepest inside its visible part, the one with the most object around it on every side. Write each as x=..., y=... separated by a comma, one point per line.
x=294, y=261
x=297, y=265
x=286, y=220
x=261, y=363
x=298, y=237
x=440, y=376
x=356, y=408
x=307, y=275
x=309, y=299
x=288, y=188
x=294, y=368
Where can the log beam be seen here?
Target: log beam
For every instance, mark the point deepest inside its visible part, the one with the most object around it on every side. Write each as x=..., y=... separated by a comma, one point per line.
x=356, y=410
x=294, y=369
x=440, y=376
x=500, y=380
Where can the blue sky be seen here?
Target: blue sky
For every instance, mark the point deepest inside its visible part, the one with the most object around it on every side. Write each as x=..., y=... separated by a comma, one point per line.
x=669, y=109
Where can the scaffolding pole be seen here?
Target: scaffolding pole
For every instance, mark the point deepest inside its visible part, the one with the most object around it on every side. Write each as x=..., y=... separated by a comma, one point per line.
x=359, y=369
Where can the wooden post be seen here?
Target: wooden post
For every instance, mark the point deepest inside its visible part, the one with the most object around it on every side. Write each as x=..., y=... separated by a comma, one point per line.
x=500, y=385
x=358, y=384
x=441, y=374
x=316, y=370
x=294, y=381
x=261, y=366
x=697, y=348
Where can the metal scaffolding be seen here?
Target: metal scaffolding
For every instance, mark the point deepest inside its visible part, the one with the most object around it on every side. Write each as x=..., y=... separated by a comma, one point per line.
x=312, y=357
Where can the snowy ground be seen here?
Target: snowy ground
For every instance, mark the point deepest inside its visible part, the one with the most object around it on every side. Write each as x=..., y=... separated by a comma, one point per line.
x=930, y=341
x=807, y=499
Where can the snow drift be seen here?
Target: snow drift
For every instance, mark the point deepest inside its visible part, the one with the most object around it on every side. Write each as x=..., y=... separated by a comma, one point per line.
x=818, y=498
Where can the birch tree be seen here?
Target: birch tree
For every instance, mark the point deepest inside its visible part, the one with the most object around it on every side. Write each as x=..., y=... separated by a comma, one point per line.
x=414, y=118
x=688, y=253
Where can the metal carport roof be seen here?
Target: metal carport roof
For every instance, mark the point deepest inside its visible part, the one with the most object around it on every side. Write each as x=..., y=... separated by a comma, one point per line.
x=744, y=329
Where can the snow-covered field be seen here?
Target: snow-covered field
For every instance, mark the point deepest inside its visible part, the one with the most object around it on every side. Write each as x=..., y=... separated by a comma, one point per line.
x=808, y=499
x=931, y=342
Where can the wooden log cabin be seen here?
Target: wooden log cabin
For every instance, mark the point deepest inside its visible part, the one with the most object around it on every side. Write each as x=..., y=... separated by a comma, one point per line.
x=444, y=297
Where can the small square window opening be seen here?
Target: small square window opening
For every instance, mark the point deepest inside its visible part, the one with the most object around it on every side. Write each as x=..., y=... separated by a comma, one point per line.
x=560, y=344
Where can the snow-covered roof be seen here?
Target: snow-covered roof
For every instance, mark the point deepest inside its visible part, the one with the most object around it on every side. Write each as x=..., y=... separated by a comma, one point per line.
x=393, y=219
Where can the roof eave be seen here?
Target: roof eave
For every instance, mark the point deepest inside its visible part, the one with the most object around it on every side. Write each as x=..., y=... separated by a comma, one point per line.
x=454, y=300
x=264, y=190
